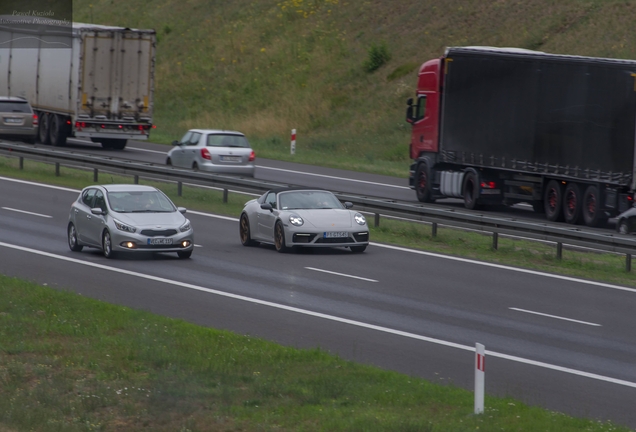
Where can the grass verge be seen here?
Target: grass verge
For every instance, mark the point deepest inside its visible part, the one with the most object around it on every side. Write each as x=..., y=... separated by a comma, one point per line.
x=69, y=363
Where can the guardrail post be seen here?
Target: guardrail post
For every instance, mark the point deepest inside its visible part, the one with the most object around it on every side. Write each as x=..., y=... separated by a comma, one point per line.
x=224, y=196
x=179, y=188
x=559, y=250
x=21, y=162
x=136, y=179
x=376, y=220
x=495, y=240
x=95, y=174
x=57, y=169
x=434, y=229
x=628, y=262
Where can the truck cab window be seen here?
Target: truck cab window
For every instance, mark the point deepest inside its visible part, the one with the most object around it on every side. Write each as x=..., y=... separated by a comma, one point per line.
x=421, y=108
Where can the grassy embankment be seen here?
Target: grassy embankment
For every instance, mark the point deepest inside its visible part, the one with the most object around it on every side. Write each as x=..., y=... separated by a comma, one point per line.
x=265, y=68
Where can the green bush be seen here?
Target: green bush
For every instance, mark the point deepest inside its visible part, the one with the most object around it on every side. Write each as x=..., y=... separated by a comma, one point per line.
x=378, y=56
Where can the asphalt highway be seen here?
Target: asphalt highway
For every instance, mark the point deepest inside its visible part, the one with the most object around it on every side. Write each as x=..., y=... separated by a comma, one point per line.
x=560, y=343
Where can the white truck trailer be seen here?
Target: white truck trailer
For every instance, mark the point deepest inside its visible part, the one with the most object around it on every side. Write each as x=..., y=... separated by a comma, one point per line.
x=82, y=80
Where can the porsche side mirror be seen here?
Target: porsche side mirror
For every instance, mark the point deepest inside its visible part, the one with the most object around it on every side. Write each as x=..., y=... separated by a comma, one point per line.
x=348, y=204
x=267, y=206
x=175, y=143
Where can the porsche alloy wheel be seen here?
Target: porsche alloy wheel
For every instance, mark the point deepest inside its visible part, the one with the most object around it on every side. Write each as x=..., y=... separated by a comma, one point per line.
x=279, y=237
x=244, y=232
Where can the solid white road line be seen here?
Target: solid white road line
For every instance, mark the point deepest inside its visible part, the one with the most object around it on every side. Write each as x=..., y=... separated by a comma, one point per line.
x=27, y=212
x=555, y=316
x=332, y=177
x=340, y=274
x=325, y=316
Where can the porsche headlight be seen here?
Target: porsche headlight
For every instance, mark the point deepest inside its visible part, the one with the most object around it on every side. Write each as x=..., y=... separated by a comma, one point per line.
x=185, y=227
x=123, y=227
x=360, y=220
x=296, y=220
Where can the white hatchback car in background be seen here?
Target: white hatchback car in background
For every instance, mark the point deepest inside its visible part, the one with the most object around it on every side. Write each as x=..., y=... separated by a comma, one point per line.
x=211, y=150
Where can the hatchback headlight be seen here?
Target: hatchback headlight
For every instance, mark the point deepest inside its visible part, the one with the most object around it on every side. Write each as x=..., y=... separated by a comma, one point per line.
x=123, y=227
x=360, y=220
x=296, y=220
x=185, y=227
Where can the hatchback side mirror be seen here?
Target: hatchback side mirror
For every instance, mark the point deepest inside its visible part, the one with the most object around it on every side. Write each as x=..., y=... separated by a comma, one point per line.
x=181, y=210
x=97, y=211
x=176, y=143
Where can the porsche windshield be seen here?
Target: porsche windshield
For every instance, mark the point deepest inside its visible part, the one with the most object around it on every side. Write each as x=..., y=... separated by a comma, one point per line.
x=308, y=200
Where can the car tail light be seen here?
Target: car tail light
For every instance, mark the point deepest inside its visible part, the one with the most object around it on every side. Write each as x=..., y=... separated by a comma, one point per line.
x=205, y=154
x=488, y=185
x=35, y=119
x=252, y=156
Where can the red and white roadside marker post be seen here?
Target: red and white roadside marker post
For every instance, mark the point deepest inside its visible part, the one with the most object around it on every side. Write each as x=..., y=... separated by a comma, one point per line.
x=292, y=148
x=480, y=377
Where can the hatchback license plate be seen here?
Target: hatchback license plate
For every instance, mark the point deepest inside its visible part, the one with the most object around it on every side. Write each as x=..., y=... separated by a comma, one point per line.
x=12, y=120
x=230, y=158
x=335, y=234
x=160, y=241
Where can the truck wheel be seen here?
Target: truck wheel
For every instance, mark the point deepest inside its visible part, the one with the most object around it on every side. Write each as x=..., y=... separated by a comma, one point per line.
x=43, y=128
x=107, y=144
x=553, y=201
x=471, y=190
x=423, y=184
x=538, y=207
x=57, y=130
x=572, y=203
x=593, y=216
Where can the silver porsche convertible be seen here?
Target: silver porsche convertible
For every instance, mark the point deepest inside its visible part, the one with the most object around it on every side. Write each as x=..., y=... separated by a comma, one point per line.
x=302, y=217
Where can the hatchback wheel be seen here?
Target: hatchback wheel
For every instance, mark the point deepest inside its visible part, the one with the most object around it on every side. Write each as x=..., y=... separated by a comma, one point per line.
x=107, y=246
x=72, y=239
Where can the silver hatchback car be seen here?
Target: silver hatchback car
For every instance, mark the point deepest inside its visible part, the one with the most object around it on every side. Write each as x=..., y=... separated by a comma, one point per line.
x=128, y=218
x=17, y=119
x=211, y=150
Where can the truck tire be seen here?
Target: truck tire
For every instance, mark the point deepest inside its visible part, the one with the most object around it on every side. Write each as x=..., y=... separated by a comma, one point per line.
x=423, y=183
x=572, y=203
x=119, y=144
x=590, y=208
x=57, y=130
x=553, y=201
x=471, y=190
x=43, y=128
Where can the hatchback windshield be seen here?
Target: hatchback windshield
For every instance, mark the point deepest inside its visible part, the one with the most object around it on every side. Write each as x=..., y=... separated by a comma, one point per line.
x=309, y=200
x=140, y=202
x=219, y=140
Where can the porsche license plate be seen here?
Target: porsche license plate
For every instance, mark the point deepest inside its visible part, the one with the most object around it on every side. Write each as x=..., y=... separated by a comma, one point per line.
x=160, y=241
x=335, y=234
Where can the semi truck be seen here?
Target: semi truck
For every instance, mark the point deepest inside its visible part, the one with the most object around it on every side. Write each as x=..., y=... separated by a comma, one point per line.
x=501, y=126
x=83, y=80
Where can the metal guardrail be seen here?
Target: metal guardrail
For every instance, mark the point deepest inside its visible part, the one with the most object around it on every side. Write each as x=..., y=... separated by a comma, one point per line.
x=576, y=236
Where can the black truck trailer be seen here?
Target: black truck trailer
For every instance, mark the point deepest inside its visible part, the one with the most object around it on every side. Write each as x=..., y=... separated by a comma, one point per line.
x=503, y=125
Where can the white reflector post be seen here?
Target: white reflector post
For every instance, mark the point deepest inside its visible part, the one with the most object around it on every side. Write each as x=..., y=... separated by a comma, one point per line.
x=292, y=148
x=480, y=377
